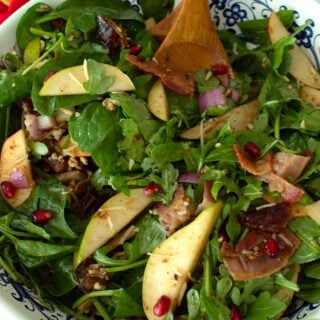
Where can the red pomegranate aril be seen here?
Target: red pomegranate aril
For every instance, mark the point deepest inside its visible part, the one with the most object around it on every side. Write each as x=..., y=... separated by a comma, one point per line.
x=49, y=75
x=58, y=23
x=162, y=306
x=252, y=149
x=219, y=70
x=135, y=50
x=8, y=189
x=235, y=313
x=151, y=189
x=41, y=216
x=271, y=248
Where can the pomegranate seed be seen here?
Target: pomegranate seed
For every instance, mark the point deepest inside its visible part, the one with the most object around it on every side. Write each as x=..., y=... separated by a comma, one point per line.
x=151, y=189
x=308, y=153
x=252, y=149
x=44, y=166
x=162, y=306
x=58, y=23
x=8, y=189
x=219, y=69
x=41, y=216
x=49, y=75
x=271, y=248
x=135, y=50
x=235, y=313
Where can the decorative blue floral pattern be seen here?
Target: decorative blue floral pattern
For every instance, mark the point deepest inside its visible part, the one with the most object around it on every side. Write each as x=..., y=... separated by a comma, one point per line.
x=226, y=13
x=234, y=15
x=31, y=303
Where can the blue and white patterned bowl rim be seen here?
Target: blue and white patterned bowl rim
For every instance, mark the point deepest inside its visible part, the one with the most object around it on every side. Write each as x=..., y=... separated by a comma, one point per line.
x=20, y=303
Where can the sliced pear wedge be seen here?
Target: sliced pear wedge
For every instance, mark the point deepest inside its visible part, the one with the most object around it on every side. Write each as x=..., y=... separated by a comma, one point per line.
x=70, y=81
x=171, y=263
x=158, y=101
x=113, y=216
x=239, y=118
x=14, y=157
x=310, y=95
x=301, y=67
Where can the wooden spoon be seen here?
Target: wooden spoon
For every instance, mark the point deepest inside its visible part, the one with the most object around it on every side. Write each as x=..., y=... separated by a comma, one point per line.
x=192, y=43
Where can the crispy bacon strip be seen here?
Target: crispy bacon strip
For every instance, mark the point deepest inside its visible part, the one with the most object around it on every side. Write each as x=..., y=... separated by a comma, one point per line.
x=289, y=192
x=248, y=260
x=288, y=165
x=255, y=167
x=177, y=213
x=176, y=81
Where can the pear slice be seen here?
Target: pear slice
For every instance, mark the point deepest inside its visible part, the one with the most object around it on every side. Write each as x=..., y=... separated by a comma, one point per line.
x=301, y=67
x=310, y=95
x=14, y=157
x=70, y=81
x=171, y=263
x=113, y=215
x=240, y=118
x=158, y=101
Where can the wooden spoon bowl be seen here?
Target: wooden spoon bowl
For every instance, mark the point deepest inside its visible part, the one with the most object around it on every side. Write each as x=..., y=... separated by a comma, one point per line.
x=192, y=42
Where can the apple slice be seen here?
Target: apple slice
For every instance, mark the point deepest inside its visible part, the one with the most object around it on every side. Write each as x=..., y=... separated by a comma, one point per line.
x=113, y=215
x=171, y=263
x=240, y=118
x=301, y=67
x=158, y=101
x=310, y=95
x=70, y=81
x=14, y=157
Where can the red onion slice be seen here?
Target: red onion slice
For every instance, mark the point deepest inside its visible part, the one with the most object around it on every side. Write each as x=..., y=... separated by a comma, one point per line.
x=18, y=179
x=212, y=98
x=189, y=177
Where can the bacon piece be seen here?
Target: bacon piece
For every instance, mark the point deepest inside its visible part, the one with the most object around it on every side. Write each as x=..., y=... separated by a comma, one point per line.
x=289, y=166
x=270, y=218
x=255, y=167
x=176, y=81
x=248, y=260
x=177, y=213
x=289, y=192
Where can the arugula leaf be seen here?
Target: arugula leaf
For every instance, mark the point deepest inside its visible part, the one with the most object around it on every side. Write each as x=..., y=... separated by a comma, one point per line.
x=137, y=110
x=96, y=130
x=51, y=195
x=168, y=183
x=215, y=309
x=266, y=307
x=308, y=231
x=127, y=306
x=98, y=83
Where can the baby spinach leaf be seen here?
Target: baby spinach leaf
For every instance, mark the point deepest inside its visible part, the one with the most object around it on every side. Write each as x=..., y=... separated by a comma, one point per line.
x=36, y=253
x=127, y=306
x=21, y=222
x=96, y=130
x=50, y=195
x=63, y=279
x=157, y=9
x=28, y=20
x=83, y=14
x=14, y=87
x=98, y=83
x=137, y=110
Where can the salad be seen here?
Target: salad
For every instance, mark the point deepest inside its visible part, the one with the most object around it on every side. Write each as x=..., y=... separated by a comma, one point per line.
x=137, y=182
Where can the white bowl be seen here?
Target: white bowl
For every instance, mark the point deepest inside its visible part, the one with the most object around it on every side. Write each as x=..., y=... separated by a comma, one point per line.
x=20, y=303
